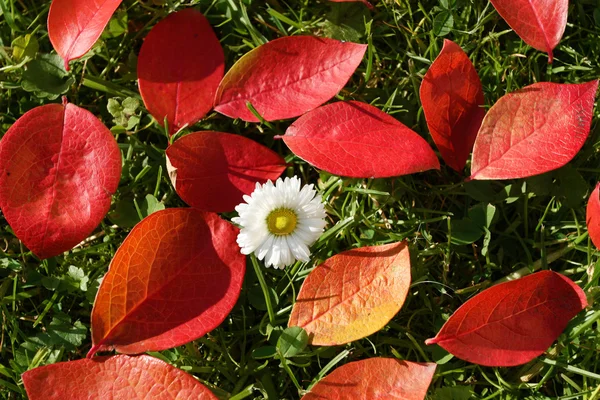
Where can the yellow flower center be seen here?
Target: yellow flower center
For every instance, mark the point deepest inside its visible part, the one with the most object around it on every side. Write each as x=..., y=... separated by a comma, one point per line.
x=282, y=221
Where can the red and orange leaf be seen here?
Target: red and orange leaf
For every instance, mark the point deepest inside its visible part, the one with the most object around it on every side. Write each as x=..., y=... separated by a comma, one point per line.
x=116, y=378
x=213, y=170
x=365, y=2
x=353, y=294
x=452, y=99
x=75, y=25
x=533, y=130
x=287, y=77
x=514, y=322
x=175, y=277
x=375, y=378
x=60, y=166
x=358, y=140
x=592, y=217
x=179, y=69
x=540, y=23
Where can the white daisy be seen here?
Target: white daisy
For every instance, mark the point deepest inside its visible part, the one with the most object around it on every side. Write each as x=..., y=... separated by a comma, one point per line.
x=279, y=222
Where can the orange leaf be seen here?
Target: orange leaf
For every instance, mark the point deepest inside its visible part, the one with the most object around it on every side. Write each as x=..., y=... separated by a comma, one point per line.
x=175, y=277
x=375, y=378
x=353, y=294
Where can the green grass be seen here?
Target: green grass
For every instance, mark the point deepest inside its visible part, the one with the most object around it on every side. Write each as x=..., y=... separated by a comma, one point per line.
x=539, y=222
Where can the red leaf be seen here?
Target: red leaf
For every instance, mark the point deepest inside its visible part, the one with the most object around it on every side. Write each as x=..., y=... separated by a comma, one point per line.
x=175, y=277
x=452, y=97
x=358, y=140
x=593, y=216
x=60, y=166
x=115, y=378
x=365, y=2
x=353, y=294
x=75, y=25
x=540, y=23
x=375, y=378
x=533, y=130
x=213, y=170
x=513, y=322
x=287, y=77
x=179, y=68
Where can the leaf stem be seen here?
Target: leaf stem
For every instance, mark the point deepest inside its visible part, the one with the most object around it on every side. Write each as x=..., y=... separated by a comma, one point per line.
x=264, y=287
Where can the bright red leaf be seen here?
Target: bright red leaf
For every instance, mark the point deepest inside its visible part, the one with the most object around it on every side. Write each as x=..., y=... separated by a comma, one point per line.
x=375, y=378
x=213, y=170
x=365, y=2
x=513, y=322
x=60, y=166
x=175, y=277
x=353, y=294
x=540, y=23
x=358, y=140
x=75, y=25
x=452, y=97
x=592, y=217
x=287, y=77
x=115, y=378
x=533, y=130
x=179, y=69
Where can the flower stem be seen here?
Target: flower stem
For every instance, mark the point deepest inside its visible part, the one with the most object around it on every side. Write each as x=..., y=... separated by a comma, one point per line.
x=264, y=287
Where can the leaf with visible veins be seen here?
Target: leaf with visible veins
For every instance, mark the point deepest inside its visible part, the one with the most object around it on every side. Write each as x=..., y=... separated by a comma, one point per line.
x=375, y=378
x=213, y=170
x=533, y=130
x=592, y=216
x=176, y=277
x=75, y=25
x=116, y=378
x=353, y=294
x=287, y=77
x=60, y=165
x=540, y=23
x=514, y=322
x=179, y=69
x=355, y=139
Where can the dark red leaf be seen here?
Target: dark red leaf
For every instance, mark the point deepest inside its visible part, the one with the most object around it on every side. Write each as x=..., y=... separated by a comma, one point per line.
x=75, y=25
x=115, y=378
x=533, y=130
x=60, y=166
x=179, y=68
x=375, y=378
x=353, y=294
x=287, y=77
x=213, y=170
x=513, y=322
x=540, y=23
x=358, y=140
x=452, y=100
x=593, y=216
x=175, y=277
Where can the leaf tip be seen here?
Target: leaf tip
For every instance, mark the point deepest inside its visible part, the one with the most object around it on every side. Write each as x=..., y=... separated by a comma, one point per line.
x=431, y=341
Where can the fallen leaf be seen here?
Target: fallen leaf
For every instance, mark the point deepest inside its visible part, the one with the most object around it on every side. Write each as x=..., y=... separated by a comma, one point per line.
x=60, y=165
x=514, y=322
x=592, y=217
x=116, y=378
x=540, y=23
x=452, y=97
x=175, y=277
x=75, y=25
x=533, y=130
x=358, y=140
x=353, y=294
x=287, y=77
x=375, y=378
x=179, y=69
x=213, y=170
